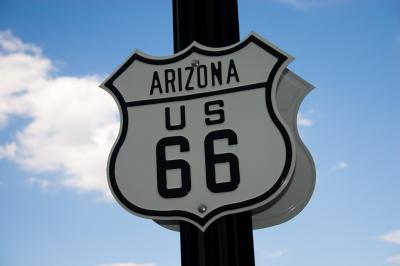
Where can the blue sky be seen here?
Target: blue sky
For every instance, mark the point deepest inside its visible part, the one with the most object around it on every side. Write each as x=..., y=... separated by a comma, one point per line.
x=57, y=127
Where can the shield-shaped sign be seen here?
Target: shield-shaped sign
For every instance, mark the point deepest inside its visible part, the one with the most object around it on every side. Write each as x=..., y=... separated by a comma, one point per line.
x=201, y=135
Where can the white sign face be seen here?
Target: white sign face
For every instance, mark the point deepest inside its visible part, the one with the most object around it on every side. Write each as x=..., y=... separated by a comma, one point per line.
x=200, y=133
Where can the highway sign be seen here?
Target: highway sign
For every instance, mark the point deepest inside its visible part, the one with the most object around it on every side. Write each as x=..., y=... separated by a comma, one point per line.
x=201, y=135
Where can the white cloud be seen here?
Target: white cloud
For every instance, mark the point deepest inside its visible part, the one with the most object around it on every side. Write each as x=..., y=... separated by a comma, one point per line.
x=127, y=264
x=340, y=166
x=304, y=121
x=391, y=237
x=8, y=150
x=394, y=259
x=43, y=184
x=307, y=4
x=9, y=43
x=72, y=122
x=277, y=253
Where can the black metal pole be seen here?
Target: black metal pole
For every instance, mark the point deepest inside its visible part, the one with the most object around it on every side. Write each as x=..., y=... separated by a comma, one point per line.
x=213, y=23
x=229, y=240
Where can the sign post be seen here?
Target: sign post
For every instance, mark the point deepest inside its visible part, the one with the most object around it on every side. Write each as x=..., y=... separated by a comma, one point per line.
x=229, y=240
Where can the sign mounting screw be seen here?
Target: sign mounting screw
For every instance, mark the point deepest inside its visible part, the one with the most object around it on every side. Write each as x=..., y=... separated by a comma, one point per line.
x=202, y=208
x=195, y=63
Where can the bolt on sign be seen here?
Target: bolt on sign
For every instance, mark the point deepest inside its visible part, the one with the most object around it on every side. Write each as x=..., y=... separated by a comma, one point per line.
x=201, y=135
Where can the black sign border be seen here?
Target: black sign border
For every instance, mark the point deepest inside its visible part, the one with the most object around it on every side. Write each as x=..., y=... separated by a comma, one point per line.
x=175, y=214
